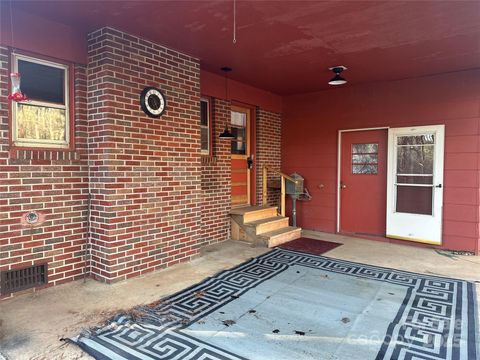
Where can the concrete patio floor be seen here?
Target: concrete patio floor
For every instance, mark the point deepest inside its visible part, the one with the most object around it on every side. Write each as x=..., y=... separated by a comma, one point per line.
x=32, y=324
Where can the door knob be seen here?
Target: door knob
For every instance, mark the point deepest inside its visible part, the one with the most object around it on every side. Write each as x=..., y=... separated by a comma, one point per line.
x=343, y=186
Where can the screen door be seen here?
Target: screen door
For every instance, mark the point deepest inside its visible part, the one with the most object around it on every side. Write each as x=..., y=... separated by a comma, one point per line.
x=415, y=183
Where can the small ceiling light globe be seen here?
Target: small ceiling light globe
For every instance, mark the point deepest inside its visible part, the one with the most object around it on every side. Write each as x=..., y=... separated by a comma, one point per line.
x=337, y=79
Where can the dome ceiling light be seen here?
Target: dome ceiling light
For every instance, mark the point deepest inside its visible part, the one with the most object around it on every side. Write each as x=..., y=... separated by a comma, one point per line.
x=337, y=79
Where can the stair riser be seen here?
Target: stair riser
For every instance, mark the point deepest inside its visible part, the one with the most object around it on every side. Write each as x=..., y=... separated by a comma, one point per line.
x=283, y=238
x=271, y=226
x=259, y=215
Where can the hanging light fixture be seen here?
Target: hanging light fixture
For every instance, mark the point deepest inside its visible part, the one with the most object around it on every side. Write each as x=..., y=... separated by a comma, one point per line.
x=337, y=79
x=16, y=94
x=226, y=134
x=234, y=22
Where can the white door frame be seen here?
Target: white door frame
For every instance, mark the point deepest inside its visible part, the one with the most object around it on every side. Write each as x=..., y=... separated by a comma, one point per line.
x=416, y=227
x=339, y=163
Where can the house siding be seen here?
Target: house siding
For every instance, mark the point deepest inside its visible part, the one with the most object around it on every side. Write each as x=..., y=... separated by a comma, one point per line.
x=310, y=131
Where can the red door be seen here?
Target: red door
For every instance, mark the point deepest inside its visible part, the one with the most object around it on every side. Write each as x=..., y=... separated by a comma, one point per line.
x=363, y=182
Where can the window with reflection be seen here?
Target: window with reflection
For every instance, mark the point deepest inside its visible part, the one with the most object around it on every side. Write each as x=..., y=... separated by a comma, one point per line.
x=365, y=159
x=43, y=120
x=239, y=131
x=414, y=174
x=205, y=126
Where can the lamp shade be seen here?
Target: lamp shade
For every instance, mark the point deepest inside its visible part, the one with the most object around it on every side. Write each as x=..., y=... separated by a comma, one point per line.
x=226, y=134
x=337, y=80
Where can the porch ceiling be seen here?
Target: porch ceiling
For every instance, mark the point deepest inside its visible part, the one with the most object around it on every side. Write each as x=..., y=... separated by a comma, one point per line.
x=286, y=46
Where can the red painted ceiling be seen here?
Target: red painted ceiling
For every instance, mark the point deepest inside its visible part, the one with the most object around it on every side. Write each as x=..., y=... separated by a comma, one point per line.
x=286, y=46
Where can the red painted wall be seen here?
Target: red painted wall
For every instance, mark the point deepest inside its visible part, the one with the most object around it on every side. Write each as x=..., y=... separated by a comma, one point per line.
x=312, y=121
x=214, y=85
x=42, y=36
x=61, y=41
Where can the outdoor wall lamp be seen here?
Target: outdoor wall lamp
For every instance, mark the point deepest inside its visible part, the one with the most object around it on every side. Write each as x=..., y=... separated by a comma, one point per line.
x=337, y=79
x=226, y=134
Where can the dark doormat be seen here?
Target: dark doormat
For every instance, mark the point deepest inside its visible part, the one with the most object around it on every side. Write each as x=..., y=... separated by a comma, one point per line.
x=310, y=246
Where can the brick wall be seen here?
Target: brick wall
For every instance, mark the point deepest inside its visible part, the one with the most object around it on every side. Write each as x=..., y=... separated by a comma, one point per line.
x=154, y=199
x=146, y=185
x=216, y=201
x=269, y=133
x=216, y=186
x=53, y=183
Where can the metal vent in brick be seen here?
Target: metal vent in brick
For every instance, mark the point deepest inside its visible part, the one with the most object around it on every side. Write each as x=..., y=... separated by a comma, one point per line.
x=21, y=279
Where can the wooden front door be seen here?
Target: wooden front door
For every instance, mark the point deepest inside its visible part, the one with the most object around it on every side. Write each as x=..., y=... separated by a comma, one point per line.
x=363, y=182
x=240, y=154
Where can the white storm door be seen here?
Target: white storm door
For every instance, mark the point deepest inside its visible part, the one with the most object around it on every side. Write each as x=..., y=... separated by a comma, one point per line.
x=415, y=183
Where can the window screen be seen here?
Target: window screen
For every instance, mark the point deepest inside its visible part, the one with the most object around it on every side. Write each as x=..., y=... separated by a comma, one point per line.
x=414, y=174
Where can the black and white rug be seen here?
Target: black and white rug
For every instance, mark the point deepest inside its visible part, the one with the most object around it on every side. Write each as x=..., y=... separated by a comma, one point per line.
x=290, y=305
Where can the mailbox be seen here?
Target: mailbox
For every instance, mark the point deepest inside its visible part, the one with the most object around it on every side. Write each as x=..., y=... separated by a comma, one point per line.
x=294, y=188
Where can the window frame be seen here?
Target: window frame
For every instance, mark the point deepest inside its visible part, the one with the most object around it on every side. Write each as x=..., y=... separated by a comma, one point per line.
x=207, y=152
x=68, y=69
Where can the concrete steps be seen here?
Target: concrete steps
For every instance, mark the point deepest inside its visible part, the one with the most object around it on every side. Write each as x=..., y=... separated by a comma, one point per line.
x=261, y=225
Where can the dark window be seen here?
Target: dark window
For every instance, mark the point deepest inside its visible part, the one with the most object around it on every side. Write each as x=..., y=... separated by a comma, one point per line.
x=41, y=82
x=205, y=126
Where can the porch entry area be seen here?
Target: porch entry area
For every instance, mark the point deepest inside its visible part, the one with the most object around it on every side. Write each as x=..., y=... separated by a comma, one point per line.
x=260, y=225
x=390, y=183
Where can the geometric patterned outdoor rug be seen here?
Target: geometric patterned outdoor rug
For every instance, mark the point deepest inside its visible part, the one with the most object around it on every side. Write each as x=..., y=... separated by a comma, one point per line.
x=291, y=305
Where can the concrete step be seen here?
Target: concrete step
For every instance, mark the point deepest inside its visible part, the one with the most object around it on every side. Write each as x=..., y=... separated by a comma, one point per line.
x=269, y=224
x=254, y=213
x=280, y=236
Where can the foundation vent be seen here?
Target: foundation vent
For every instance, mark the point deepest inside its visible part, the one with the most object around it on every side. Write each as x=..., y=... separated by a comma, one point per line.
x=21, y=279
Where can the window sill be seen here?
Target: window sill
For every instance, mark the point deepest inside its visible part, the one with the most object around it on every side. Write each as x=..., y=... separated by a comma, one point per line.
x=208, y=159
x=43, y=156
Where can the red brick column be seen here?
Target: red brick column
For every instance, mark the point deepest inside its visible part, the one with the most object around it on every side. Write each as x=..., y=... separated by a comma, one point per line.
x=146, y=173
x=269, y=128
x=216, y=199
